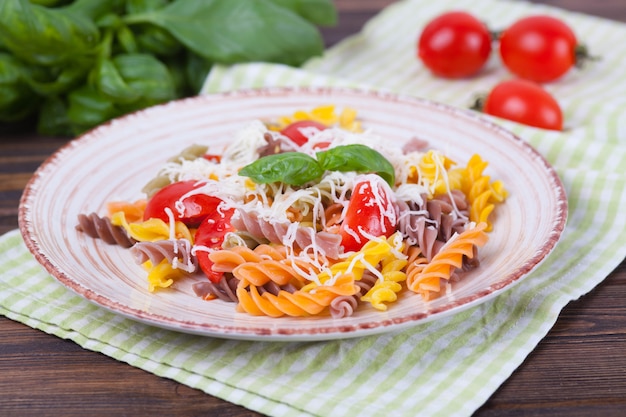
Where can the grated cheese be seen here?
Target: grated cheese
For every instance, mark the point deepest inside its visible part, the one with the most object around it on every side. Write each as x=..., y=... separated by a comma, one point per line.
x=273, y=203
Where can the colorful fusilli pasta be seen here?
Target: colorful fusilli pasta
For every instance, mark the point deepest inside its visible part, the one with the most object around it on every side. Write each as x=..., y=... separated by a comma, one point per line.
x=426, y=278
x=327, y=222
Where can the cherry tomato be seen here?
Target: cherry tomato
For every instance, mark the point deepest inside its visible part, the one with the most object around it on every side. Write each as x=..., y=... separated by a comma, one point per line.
x=210, y=234
x=539, y=48
x=524, y=102
x=295, y=129
x=454, y=45
x=195, y=207
x=370, y=212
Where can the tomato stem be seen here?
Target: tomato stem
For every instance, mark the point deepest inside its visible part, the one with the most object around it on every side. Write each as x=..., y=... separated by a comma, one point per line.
x=479, y=102
x=495, y=35
x=582, y=56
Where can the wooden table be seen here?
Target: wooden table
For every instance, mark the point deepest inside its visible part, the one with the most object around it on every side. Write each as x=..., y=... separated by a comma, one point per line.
x=579, y=369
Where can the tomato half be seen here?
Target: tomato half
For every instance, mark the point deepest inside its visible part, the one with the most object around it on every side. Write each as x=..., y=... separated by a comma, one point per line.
x=524, y=102
x=194, y=208
x=454, y=45
x=539, y=48
x=296, y=130
x=210, y=234
x=213, y=158
x=370, y=212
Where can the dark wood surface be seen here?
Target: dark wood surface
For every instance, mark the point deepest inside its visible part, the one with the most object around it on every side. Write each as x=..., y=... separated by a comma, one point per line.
x=579, y=369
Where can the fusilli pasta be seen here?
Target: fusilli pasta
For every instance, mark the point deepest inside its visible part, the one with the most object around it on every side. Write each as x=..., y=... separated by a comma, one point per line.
x=425, y=277
x=101, y=227
x=376, y=221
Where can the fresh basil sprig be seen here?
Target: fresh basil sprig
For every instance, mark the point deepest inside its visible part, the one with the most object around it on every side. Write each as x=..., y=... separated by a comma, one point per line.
x=357, y=158
x=293, y=168
x=77, y=63
x=297, y=168
x=267, y=30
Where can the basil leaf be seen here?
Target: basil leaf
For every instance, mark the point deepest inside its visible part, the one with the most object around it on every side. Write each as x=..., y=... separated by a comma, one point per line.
x=109, y=21
x=17, y=99
x=297, y=168
x=49, y=3
x=293, y=168
x=177, y=67
x=138, y=6
x=94, y=10
x=111, y=84
x=158, y=41
x=238, y=30
x=319, y=12
x=53, y=120
x=197, y=68
x=126, y=39
x=88, y=107
x=48, y=81
x=357, y=158
x=151, y=38
x=147, y=76
x=43, y=36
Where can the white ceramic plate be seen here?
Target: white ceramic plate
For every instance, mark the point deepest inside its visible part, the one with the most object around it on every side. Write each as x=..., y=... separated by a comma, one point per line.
x=115, y=160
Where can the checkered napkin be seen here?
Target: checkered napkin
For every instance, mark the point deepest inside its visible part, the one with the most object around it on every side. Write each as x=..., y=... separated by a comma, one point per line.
x=448, y=367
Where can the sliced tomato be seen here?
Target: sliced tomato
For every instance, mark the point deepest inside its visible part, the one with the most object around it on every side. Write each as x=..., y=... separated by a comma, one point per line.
x=295, y=131
x=210, y=234
x=322, y=145
x=370, y=212
x=213, y=158
x=190, y=210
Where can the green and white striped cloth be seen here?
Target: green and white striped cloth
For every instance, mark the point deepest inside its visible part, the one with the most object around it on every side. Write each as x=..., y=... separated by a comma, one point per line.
x=448, y=367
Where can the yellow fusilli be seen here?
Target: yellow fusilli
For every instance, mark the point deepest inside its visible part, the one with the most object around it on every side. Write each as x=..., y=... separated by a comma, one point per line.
x=152, y=229
x=387, y=288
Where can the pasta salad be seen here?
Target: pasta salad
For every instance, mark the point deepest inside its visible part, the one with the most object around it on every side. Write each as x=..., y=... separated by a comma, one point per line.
x=308, y=214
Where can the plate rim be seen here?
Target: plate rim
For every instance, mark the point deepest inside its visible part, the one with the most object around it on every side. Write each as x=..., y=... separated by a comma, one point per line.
x=274, y=333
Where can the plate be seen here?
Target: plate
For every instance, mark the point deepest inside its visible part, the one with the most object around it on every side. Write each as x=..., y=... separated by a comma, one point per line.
x=115, y=160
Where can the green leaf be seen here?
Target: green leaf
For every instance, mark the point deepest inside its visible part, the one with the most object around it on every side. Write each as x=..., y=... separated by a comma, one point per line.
x=318, y=12
x=357, y=158
x=45, y=36
x=151, y=38
x=293, y=168
x=53, y=120
x=147, y=76
x=127, y=40
x=111, y=84
x=126, y=83
x=49, y=81
x=197, y=70
x=140, y=6
x=50, y=3
x=297, y=168
x=158, y=41
x=95, y=9
x=177, y=68
x=238, y=30
x=109, y=21
x=88, y=107
x=17, y=100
